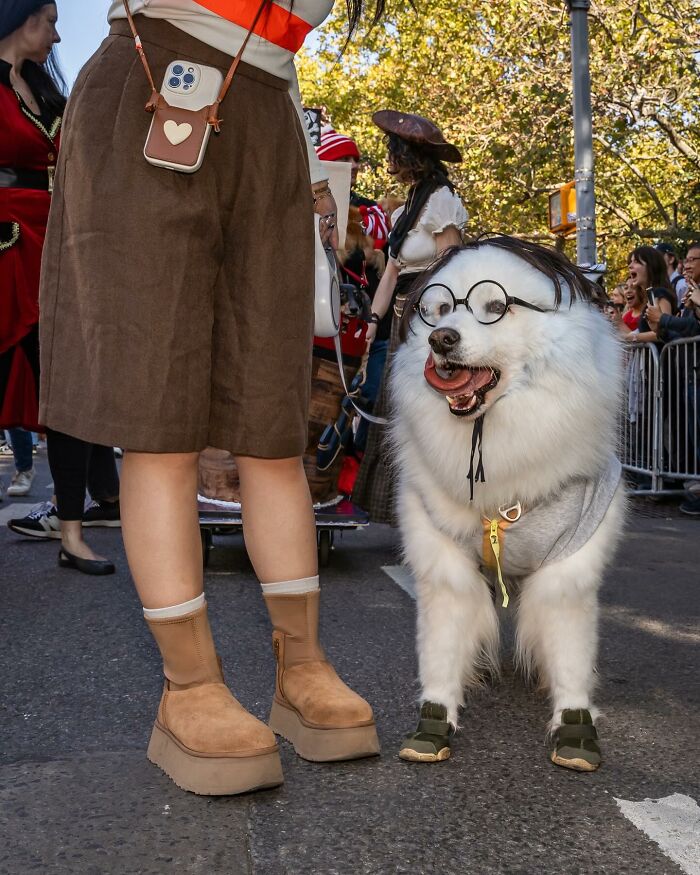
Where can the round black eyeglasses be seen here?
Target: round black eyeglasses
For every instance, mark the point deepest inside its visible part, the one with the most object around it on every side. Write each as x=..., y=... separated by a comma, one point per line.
x=486, y=300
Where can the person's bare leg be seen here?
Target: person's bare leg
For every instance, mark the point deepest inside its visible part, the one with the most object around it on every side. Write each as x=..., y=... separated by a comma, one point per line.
x=312, y=707
x=202, y=737
x=74, y=542
x=160, y=526
x=278, y=518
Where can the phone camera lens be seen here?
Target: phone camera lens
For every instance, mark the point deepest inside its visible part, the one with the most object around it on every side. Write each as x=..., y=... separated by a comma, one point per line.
x=174, y=82
x=188, y=78
x=178, y=69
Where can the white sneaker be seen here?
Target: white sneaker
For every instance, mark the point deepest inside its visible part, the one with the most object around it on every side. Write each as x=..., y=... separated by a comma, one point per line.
x=21, y=483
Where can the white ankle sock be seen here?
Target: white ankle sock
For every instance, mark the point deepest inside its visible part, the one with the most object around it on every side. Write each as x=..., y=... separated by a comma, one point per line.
x=291, y=587
x=175, y=610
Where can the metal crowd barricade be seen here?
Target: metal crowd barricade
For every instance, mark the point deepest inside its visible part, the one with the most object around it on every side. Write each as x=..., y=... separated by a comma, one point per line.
x=660, y=416
x=678, y=454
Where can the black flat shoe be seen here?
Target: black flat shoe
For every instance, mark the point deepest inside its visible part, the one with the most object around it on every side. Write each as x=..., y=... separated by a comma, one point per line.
x=87, y=566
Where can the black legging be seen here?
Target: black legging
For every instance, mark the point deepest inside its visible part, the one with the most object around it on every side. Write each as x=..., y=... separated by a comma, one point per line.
x=76, y=464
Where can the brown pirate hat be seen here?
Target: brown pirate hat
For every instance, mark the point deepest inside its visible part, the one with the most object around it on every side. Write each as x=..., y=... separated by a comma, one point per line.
x=418, y=130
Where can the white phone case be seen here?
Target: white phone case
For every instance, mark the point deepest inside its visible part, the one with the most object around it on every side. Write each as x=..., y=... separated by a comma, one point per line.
x=188, y=86
x=327, y=291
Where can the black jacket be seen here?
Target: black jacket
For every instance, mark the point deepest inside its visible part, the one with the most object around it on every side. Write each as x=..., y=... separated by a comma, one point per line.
x=676, y=327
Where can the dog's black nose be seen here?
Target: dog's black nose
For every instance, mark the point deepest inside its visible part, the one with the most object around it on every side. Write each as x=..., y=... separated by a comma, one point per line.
x=442, y=340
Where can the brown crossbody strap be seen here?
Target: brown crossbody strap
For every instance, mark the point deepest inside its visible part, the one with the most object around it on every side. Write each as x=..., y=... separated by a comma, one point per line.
x=213, y=118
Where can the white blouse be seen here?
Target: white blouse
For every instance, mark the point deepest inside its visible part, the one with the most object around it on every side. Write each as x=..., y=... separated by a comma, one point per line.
x=443, y=210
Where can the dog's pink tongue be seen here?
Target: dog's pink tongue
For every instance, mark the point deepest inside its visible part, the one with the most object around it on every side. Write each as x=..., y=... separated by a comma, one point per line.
x=463, y=381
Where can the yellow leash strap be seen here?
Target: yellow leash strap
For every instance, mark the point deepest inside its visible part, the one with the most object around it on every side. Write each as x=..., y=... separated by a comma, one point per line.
x=496, y=548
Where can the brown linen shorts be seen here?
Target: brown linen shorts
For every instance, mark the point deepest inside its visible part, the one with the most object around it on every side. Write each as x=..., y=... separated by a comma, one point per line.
x=177, y=309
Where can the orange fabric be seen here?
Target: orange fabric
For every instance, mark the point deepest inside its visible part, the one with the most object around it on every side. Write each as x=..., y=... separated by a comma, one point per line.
x=487, y=552
x=276, y=25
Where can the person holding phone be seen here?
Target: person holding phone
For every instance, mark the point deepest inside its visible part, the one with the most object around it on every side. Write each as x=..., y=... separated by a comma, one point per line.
x=166, y=331
x=687, y=324
x=647, y=269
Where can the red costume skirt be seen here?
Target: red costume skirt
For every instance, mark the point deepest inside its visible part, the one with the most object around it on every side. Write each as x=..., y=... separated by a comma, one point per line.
x=23, y=217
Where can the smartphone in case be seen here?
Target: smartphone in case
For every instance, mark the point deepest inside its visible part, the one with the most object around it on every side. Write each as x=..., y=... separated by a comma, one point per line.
x=652, y=299
x=177, y=140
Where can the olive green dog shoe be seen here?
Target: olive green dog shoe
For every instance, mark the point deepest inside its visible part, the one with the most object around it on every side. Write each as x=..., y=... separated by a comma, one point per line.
x=576, y=742
x=430, y=743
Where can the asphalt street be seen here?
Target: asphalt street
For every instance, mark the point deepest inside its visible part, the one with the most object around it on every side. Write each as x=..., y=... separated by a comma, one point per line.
x=81, y=680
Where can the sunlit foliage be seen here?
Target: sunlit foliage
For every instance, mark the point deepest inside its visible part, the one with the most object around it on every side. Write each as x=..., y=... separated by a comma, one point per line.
x=496, y=77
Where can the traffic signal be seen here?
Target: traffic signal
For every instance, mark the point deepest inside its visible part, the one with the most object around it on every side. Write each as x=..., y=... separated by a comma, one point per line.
x=562, y=209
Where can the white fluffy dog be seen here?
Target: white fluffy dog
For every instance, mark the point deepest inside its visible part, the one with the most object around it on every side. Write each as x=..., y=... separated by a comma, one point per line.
x=524, y=378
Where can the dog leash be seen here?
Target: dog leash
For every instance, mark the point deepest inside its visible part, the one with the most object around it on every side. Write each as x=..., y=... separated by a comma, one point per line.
x=495, y=526
x=508, y=515
x=377, y=420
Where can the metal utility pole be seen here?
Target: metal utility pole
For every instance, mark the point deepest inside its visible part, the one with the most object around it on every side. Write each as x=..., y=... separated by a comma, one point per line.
x=583, y=135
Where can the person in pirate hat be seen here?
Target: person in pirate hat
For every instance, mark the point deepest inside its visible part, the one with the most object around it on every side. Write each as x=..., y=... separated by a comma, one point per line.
x=428, y=223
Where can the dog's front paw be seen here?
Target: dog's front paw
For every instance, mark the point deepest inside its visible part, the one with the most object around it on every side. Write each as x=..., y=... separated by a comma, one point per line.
x=430, y=743
x=576, y=742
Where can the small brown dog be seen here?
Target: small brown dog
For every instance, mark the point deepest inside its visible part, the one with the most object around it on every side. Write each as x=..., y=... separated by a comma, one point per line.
x=355, y=238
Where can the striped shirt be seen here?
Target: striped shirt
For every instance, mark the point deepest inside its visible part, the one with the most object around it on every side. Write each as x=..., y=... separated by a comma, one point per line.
x=223, y=24
x=374, y=224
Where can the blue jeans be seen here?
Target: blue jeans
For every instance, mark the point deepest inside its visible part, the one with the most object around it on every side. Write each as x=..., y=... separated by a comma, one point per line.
x=375, y=371
x=22, y=445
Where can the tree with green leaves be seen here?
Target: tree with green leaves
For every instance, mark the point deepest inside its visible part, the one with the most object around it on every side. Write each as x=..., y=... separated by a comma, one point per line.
x=496, y=77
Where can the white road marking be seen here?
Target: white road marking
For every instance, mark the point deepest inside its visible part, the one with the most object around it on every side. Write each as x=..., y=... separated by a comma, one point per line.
x=402, y=576
x=673, y=823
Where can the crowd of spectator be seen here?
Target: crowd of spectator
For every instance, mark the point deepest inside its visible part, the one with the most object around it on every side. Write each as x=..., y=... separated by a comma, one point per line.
x=660, y=303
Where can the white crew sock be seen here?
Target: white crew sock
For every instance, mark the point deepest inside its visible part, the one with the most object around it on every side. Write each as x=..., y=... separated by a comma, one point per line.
x=175, y=610
x=291, y=587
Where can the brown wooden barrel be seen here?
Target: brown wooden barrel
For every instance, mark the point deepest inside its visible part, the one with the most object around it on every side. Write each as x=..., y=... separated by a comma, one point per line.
x=218, y=475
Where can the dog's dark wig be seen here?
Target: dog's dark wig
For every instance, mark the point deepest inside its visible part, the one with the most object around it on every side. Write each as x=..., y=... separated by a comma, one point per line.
x=547, y=260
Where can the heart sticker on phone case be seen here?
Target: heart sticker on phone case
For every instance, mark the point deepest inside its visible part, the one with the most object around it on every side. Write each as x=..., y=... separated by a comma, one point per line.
x=176, y=133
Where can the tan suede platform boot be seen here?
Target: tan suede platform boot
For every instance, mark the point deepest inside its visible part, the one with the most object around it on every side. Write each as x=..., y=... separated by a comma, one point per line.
x=203, y=738
x=312, y=707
